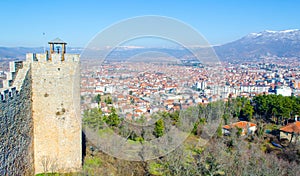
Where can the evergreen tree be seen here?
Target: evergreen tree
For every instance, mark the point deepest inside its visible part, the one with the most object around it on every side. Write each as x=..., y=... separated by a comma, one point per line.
x=113, y=118
x=247, y=111
x=97, y=98
x=159, y=128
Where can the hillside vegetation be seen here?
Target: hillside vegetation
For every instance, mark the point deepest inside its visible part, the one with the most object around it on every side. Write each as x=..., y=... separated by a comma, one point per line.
x=218, y=154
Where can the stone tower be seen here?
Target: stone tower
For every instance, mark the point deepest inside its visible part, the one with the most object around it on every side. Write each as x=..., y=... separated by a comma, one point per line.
x=56, y=109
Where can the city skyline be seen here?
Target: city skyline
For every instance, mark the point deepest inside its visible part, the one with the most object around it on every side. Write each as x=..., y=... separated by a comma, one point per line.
x=27, y=23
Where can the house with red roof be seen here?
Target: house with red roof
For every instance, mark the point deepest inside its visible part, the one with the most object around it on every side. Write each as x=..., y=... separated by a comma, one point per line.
x=291, y=131
x=247, y=127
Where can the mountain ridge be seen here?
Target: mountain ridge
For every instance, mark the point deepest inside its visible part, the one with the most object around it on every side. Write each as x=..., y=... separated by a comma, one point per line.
x=285, y=43
x=255, y=45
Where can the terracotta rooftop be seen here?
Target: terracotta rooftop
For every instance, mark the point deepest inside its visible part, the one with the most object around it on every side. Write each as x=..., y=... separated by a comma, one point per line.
x=292, y=127
x=241, y=124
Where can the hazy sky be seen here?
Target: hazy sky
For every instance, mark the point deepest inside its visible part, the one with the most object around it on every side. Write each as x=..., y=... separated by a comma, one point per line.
x=24, y=22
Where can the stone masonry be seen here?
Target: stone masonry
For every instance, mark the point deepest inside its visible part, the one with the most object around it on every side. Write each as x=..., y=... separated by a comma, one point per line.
x=55, y=100
x=16, y=128
x=40, y=122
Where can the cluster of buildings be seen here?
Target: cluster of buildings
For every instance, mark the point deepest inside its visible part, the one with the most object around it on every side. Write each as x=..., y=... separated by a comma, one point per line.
x=261, y=78
x=140, y=88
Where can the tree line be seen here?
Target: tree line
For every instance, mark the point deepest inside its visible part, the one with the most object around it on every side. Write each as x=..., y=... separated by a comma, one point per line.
x=269, y=108
x=276, y=108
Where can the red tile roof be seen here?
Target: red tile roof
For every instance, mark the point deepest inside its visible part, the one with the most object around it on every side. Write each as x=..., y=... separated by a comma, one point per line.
x=241, y=124
x=292, y=127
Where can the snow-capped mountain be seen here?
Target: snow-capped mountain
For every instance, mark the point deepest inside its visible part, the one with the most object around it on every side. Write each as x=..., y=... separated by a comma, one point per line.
x=268, y=43
x=284, y=43
x=291, y=34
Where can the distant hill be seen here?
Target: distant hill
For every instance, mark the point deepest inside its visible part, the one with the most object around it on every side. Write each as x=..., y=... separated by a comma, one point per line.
x=17, y=52
x=267, y=43
x=284, y=43
x=20, y=52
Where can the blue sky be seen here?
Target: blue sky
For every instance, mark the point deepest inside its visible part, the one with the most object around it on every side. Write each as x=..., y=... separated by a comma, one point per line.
x=219, y=21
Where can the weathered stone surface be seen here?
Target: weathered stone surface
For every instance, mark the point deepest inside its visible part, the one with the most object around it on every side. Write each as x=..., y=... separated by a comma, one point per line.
x=57, y=125
x=40, y=124
x=16, y=128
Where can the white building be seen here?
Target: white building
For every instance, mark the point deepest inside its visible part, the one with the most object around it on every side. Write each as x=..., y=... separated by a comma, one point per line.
x=284, y=91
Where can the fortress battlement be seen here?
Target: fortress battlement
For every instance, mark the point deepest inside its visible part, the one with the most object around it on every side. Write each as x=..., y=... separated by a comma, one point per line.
x=56, y=54
x=14, y=67
x=54, y=58
x=8, y=93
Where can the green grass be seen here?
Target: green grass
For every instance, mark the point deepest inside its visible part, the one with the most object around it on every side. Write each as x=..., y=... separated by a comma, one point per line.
x=105, y=131
x=91, y=163
x=271, y=126
x=155, y=168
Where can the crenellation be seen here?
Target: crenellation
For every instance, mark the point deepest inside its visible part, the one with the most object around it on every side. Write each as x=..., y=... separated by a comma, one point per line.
x=15, y=66
x=4, y=94
x=55, y=57
x=30, y=57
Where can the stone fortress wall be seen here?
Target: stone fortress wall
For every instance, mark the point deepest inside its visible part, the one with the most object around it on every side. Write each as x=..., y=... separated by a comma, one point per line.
x=57, y=128
x=40, y=121
x=16, y=123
